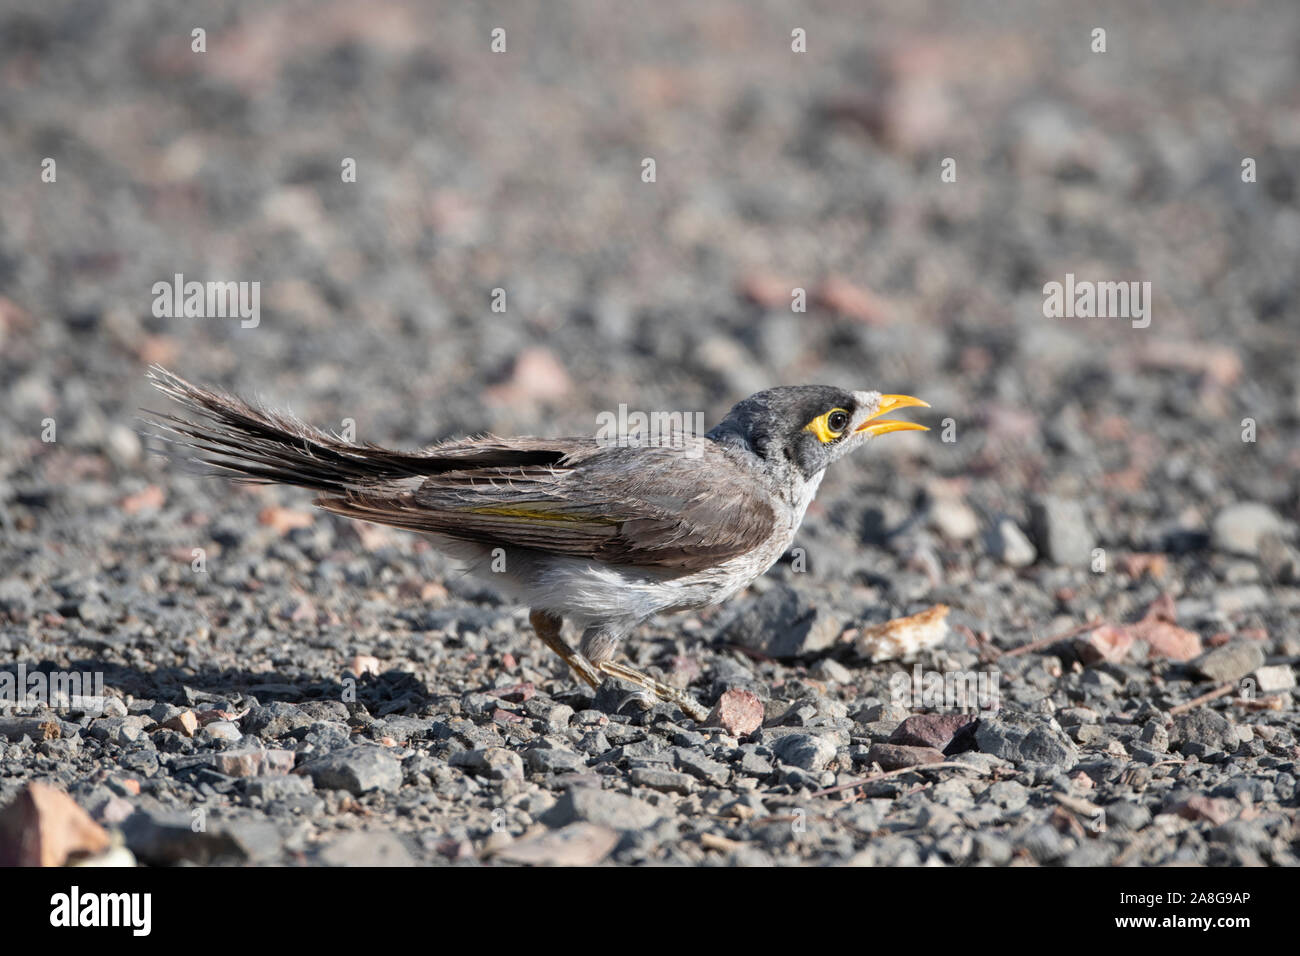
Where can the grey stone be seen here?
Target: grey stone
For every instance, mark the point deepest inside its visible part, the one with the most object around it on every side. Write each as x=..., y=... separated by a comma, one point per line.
x=168, y=839
x=1098, y=683
x=1008, y=795
x=603, y=807
x=593, y=743
x=1090, y=735
x=698, y=765
x=879, y=731
x=1091, y=853
x=1044, y=843
x=1278, y=677
x=990, y=848
x=16, y=597
x=953, y=518
x=277, y=788
x=1203, y=731
x=1021, y=738
x=123, y=731
x=886, y=711
x=1155, y=735
x=93, y=612
x=579, y=844
x=275, y=719
x=1230, y=662
x=937, y=819
x=368, y=848
x=220, y=730
x=755, y=765
x=1005, y=542
x=785, y=624
x=1125, y=815
x=1147, y=755
x=553, y=714
x=122, y=445
x=1237, y=528
x=1281, y=562
x=804, y=751
x=1234, y=600
x=1061, y=531
x=495, y=763
x=745, y=807
x=162, y=712
x=832, y=671
x=769, y=736
x=324, y=736
x=358, y=769
x=550, y=760
x=334, y=711
x=657, y=778
x=689, y=738
x=403, y=728
x=1243, y=833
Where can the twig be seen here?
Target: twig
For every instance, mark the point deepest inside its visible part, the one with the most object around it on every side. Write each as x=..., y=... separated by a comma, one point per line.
x=37, y=728
x=1046, y=641
x=1195, y=702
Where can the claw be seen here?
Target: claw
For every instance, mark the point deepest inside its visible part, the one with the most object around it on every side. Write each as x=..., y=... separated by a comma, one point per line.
x=644, y=696
x=672, y=695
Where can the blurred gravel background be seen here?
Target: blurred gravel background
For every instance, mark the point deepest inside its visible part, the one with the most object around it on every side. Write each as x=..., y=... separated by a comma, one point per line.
x=775, y=170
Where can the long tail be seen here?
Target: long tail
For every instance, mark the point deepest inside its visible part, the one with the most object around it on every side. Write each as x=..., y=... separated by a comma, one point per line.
x=254, y=444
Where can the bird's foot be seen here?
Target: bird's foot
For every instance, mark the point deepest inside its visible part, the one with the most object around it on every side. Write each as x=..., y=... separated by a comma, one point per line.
x=684, y=701
x=614, y=695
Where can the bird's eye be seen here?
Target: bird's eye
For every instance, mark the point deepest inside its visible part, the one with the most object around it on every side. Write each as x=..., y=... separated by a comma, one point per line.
x=829, y=426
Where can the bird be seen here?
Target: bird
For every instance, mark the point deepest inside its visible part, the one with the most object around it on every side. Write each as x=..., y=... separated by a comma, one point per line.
x=601, y=533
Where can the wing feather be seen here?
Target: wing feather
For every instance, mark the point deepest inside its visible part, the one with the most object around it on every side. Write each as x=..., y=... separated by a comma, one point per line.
x=650, y=507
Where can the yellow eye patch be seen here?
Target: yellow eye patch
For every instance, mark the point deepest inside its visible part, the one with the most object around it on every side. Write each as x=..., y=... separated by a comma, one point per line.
x=821, y=425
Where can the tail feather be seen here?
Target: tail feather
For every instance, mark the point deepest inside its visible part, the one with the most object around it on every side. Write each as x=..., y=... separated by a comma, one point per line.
x=254, y=444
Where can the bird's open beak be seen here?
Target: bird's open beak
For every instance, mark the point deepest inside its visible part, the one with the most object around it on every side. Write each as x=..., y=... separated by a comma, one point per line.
x=887, y=404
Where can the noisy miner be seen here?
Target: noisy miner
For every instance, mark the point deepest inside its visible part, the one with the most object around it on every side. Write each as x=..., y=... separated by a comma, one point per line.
x=604, y=533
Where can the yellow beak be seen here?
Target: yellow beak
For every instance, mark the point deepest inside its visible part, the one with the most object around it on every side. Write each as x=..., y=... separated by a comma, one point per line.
x=887, y=404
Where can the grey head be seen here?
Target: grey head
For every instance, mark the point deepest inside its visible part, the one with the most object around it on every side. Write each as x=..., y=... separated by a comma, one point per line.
x=810, y=426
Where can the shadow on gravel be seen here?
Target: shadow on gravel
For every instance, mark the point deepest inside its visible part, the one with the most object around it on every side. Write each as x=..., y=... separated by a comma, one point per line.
x=392, y=692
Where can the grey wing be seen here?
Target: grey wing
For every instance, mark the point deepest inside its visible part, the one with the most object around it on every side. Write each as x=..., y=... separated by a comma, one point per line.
x=651, y=507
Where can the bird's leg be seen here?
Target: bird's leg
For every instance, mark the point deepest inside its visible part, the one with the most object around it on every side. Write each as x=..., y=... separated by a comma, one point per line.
x=598, y=647
x=547, y=627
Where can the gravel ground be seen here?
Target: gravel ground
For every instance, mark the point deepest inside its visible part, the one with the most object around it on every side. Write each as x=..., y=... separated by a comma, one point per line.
x=307, y=690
